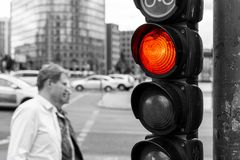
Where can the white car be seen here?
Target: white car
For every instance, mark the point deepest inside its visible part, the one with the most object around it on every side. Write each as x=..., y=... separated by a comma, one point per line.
x=124, y=81
x=95, y=82
x=14, y=91
x=80, y=74
x=30, y=76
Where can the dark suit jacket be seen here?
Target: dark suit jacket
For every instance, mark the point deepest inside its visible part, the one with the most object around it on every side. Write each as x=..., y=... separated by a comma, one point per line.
x=78, y=153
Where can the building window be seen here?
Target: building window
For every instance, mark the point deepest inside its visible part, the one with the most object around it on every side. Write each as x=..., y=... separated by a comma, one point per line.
x=58, y=24
x=57, y=39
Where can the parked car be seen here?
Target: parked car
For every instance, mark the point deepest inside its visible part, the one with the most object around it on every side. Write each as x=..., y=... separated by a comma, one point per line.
x=30, y=76
x=124, y=81
x=95, y=82
x=14, y=91
x=75, y=74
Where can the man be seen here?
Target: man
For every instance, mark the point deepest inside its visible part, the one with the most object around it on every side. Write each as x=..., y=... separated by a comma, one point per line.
x=39, y=127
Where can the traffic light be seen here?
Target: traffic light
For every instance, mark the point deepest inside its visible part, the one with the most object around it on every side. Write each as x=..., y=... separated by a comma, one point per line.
x=169, y=49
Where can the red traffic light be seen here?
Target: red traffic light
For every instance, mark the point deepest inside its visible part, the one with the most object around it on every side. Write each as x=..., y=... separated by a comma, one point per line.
x=163, y=51
x=157, y=52
x=168, y=108
x=167, y=148
x=171, y=10
x=169, y=50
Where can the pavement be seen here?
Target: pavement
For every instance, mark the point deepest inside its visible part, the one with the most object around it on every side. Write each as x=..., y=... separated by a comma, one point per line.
x=116, y=100
x=122, y=99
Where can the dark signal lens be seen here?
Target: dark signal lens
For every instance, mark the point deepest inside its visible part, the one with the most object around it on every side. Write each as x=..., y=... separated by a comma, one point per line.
x=152, y=151
x=158, y=52
x=156, y=155
x=157, y=111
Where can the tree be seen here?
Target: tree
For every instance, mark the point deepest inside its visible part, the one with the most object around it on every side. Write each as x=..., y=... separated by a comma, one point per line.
x=9, y=63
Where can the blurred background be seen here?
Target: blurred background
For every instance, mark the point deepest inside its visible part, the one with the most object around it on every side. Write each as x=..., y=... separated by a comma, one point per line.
x=92, y=40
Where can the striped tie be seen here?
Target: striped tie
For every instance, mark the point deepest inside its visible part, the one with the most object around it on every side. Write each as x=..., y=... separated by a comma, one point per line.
x=66, y=144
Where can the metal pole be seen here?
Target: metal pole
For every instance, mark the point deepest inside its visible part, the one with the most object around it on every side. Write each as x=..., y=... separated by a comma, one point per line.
x=226, y=84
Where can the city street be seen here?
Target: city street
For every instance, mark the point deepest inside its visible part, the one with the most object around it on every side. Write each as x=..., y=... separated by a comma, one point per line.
x=106, y=133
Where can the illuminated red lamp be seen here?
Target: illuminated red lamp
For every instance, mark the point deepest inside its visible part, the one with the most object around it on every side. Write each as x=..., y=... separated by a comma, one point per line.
x=163, y=51
x=156, y=50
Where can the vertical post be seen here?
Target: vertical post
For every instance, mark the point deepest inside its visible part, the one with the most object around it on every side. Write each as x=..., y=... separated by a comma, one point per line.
x=226, y=84
x=49, y=44
x=49, y=32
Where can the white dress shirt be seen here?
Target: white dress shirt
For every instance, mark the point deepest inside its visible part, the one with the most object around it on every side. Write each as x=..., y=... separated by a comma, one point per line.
x=35, y=132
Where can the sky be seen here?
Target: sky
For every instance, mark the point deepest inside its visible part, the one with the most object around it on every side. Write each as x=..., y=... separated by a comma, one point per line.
x=128, y=17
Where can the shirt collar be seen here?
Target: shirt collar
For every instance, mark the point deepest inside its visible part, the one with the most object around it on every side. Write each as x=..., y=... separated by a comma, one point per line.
x=46, y=104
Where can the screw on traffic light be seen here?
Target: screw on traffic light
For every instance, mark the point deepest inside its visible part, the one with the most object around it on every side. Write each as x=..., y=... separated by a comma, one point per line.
x=169, y=49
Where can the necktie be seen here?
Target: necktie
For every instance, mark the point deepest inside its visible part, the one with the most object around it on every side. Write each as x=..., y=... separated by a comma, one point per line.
x=66, y=144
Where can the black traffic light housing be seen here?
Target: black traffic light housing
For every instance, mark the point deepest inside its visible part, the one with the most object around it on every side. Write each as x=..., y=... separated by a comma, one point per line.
x=169, y=49
x=167, y=148
x=166, y=108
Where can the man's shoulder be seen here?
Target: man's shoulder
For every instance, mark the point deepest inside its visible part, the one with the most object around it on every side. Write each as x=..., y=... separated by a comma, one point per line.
x=29, y=109
x=32, y=101
x=31, y=105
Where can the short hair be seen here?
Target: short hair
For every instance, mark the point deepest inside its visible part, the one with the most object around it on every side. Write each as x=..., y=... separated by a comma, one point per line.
x=50, y=71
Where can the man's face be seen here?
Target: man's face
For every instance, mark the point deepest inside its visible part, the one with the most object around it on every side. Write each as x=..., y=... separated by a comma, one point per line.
x=60, y=90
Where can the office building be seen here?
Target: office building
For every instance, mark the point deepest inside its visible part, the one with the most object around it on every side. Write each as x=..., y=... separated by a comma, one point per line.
x=125, y=47
x=68, y=32
x=4, y=37
x=113, y=46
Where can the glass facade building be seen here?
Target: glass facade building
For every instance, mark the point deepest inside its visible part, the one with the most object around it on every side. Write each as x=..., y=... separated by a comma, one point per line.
x=68, y=32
